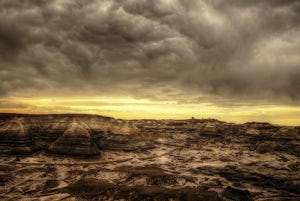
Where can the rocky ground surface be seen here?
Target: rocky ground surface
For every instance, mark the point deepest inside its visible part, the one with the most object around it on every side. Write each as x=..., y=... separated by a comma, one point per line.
x=90, y=157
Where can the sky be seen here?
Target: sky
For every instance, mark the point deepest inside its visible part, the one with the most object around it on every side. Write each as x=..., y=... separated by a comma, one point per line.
x=233, y=60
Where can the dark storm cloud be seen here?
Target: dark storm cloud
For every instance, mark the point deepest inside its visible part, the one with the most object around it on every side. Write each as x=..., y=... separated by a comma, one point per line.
x=242, y=51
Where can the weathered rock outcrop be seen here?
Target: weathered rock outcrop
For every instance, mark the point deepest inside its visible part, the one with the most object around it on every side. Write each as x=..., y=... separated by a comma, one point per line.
x=195, y=159
x=124, y=135
x=15, y=138
x=75, y=141
x=288, y=133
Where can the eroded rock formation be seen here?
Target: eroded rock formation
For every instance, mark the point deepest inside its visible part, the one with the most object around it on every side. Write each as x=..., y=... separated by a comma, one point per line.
x=193, y=159
x=76, y=141
x=15, y=138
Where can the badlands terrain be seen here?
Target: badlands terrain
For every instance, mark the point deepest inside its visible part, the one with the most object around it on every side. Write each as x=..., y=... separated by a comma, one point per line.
x=92, y=157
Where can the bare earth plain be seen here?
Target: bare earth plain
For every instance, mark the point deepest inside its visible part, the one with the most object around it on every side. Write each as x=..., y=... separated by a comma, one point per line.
x=91, y=157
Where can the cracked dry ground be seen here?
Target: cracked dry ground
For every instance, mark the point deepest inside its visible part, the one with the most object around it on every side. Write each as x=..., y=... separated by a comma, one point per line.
x=89, y=157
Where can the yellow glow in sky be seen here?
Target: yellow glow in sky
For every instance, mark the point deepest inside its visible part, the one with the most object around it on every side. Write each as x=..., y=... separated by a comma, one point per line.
x=129, y=108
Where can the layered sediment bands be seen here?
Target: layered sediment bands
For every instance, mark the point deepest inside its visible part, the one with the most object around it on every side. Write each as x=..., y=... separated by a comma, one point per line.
x=76, y=141
x=121, y=142
x=262, y=179
x=287, y=133
x=285, y=146
x=15, y=138
x=123, y=128
x=104, y=132
x=192, y=159
x=5, y=174
x=53, y=127
x=124, y=135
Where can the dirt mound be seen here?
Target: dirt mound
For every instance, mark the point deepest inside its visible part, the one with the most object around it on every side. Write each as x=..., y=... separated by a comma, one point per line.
x=75, y=141
x=15, y=138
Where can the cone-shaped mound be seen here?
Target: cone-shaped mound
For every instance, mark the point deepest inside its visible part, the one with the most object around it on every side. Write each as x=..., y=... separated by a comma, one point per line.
x=124, y=128
x=124, y=135
x=75, y=141
x=76, y=131
x=16, y=139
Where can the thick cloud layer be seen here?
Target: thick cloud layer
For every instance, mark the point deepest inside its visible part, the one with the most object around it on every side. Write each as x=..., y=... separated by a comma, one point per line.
x=219, y=51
